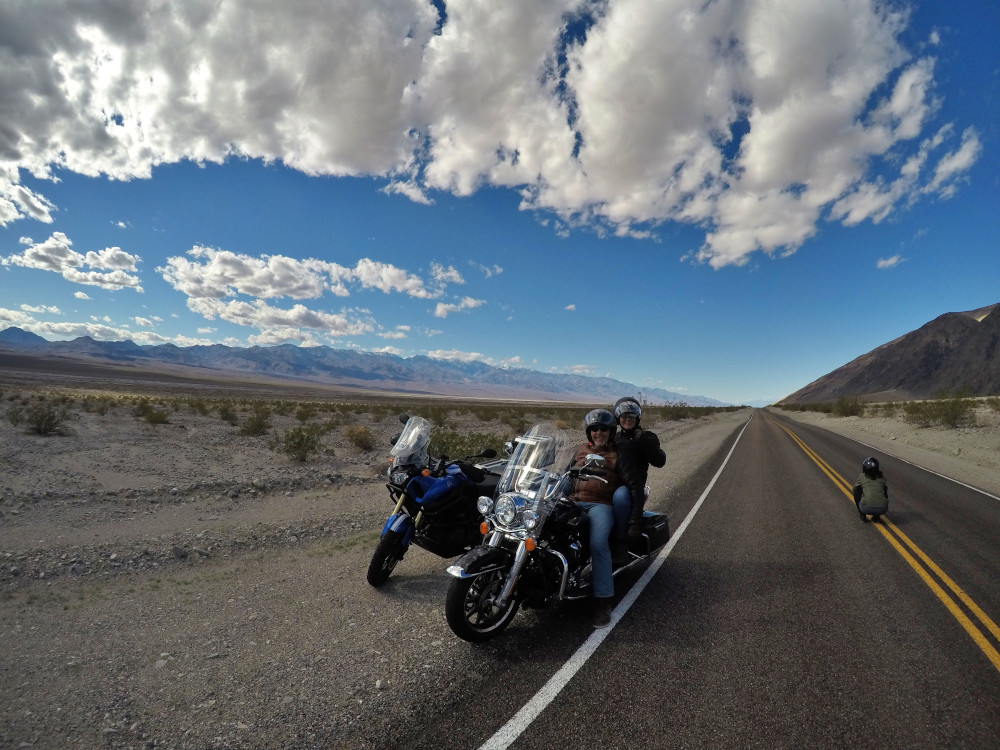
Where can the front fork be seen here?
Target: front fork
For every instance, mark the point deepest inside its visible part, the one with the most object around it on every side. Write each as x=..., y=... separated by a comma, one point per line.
x=395, y=515
x=520, y=558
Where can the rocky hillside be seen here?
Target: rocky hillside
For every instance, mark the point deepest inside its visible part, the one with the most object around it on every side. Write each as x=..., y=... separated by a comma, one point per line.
x=956, y=351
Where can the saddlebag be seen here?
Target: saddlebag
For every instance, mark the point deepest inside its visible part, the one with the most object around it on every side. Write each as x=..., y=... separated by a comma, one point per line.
x=656, y=528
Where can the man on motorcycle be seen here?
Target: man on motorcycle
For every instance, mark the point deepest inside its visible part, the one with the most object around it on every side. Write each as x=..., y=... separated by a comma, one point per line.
x=594, y=498
x=637, y=450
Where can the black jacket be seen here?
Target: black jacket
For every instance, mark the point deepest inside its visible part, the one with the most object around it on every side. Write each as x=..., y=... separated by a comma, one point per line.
x=637, y=450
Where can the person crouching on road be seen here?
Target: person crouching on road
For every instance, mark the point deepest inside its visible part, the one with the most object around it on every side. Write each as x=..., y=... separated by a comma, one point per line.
x=637, y=449
x=594, y=498
x=871, y=493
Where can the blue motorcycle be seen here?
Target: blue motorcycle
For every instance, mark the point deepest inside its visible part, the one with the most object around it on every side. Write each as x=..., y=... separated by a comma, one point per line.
x=434, y=500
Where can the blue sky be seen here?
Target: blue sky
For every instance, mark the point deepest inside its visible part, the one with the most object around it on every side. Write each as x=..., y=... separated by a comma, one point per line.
x=726, y=200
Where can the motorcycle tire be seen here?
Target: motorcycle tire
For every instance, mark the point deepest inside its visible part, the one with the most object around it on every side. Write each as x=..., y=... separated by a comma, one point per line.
x=388, y=552
x=470, y=611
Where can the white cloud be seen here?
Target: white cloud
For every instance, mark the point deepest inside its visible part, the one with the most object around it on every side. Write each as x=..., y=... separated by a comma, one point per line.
x=81, y=295
x=895, y=260
x=144, y=322
x=278, y=321
x=621, y=129
x=570, y=307
x=460, y=356
x=52, y=309
x=487, y=271
x=443, y=275
x=443, y=310
x=56, y=254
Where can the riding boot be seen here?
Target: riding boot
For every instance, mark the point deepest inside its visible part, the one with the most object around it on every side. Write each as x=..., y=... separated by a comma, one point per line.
x=602, y=611
x=619, y=553
x=635, y=521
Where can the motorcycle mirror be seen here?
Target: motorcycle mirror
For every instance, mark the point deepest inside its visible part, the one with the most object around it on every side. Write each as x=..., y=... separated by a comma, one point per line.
x=593, y=461
x=394, y=438
x=508, y=447
x=404, y=418
x=489, y=453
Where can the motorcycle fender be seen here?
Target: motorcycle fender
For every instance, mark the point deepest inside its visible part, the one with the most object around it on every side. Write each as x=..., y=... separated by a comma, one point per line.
x=480, y=560
x=401, y=523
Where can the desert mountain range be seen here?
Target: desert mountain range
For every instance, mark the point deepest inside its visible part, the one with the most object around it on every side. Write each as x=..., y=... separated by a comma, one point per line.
x=320, y=366
x=955, y=352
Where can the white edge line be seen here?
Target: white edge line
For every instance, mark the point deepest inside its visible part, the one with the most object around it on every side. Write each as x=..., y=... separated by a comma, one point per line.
x=513, y=729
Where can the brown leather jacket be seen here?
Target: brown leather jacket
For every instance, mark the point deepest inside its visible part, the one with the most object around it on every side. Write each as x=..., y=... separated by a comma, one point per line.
x=593, y=490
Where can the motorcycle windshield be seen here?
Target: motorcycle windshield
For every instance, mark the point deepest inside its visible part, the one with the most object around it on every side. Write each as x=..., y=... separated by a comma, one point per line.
x=540, y=456
x=410, y=448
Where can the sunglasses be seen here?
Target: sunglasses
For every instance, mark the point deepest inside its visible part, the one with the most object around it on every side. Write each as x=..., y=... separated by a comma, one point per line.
x=600, y=429
x=627, y=416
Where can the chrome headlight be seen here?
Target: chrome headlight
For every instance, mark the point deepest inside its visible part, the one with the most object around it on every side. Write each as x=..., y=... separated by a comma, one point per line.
x=399, y=478
x=530, y=520
x=506, y=510
x=484, y=505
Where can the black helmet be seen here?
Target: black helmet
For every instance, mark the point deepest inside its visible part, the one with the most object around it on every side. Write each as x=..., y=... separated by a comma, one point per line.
x=628, y=405
x=869, y=465
x=600, y=418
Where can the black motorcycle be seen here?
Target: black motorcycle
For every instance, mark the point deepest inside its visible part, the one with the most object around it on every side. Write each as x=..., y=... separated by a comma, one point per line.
x=435, y=500
x=536, y=550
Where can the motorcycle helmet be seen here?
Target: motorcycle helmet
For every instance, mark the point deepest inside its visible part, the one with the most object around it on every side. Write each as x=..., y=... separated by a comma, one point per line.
x=869, y=465
x=600, y=418
x=628, y=405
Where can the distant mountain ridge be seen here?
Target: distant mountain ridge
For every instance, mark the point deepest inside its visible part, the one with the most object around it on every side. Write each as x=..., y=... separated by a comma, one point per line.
x=954, y=352
x=323, y=365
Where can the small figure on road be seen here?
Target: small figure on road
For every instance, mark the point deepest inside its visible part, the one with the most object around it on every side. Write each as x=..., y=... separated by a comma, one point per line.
x=594, y=498
x=871, y=493
x=638, y=449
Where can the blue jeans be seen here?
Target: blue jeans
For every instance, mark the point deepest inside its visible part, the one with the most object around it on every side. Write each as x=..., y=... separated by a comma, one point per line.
x=602, y=521
x=622, y=501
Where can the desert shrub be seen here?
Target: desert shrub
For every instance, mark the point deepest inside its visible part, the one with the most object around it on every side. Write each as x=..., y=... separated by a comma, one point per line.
x=954, y=410
x=299, y=443
x=257, y=423
x=227, y=413
x=848, y=406
x=15, y=415
x=360, y=437
x=994, y=403
x=200, y=406
x=156, y=416
x=305, y=412
x=44, y=418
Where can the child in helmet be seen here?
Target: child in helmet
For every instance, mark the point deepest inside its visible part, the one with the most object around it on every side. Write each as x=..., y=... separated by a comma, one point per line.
x=637, y=449
x=594, y=498
x=871, y=493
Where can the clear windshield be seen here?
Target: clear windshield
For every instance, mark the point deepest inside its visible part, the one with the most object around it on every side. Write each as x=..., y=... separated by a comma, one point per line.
x=410, y=448
x=543, y=453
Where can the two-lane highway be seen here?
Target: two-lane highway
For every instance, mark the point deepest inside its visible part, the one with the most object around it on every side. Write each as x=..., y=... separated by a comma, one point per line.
x=776, y=620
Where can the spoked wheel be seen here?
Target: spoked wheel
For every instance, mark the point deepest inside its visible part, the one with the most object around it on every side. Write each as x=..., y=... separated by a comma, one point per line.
x=471, y=607
x=388, y=552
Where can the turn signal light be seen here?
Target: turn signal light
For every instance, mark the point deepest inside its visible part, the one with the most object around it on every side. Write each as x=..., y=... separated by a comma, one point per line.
x=529, y=544
x=484, y=528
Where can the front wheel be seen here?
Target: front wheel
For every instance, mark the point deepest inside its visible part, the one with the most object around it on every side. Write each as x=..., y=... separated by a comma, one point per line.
x=471, y=607
x=388, y=552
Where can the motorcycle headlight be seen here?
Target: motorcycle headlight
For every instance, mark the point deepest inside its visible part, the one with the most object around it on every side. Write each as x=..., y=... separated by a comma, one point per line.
x=484, y=505
x=399, y=478
x=506, y=510
x=530, y=520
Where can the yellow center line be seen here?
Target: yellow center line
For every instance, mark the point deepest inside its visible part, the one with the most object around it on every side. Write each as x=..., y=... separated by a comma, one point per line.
x=949, y=603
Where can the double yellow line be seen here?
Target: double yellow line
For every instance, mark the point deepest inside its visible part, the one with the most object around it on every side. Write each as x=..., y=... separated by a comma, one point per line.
x=898, y=539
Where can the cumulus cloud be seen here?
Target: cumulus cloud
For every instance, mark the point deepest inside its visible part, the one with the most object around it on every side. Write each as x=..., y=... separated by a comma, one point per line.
x=443, y=310
x=101, y=329
x=41, y=309
x=56, y=254
x=81, y=295
x=756, y=121
x=260, y=314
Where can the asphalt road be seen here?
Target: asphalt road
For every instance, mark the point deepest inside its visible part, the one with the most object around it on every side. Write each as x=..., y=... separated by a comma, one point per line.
x=778, y=620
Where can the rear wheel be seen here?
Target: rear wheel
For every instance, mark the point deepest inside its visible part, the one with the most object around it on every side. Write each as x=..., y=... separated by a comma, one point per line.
x=388, y=552
x=471, y=608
